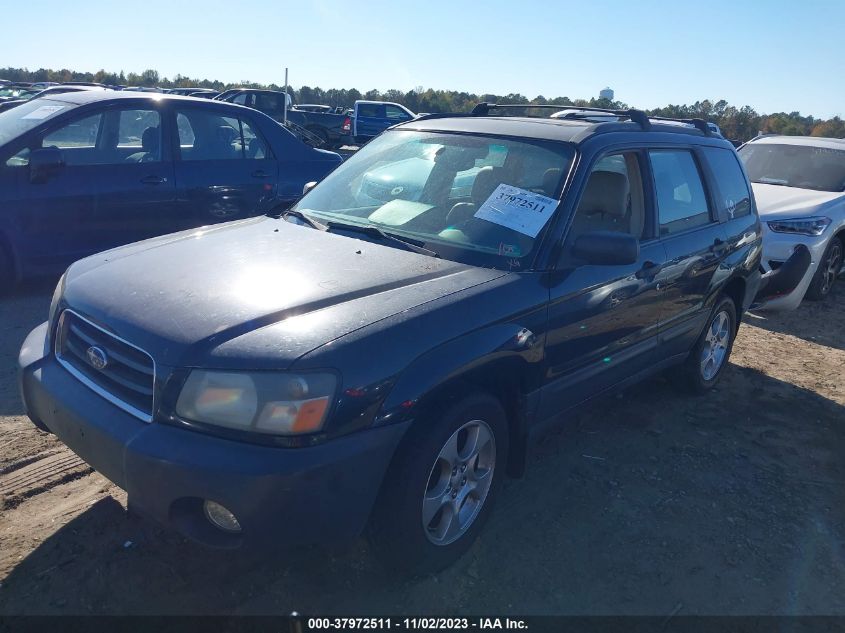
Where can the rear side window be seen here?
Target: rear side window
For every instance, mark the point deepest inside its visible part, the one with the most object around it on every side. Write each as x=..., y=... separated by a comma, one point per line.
x=373, y=110
x=734, y=199
x=681, y=201
x=205, y=135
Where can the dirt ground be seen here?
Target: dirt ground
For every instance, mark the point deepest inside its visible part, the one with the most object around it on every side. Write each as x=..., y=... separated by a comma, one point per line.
x=651, y=503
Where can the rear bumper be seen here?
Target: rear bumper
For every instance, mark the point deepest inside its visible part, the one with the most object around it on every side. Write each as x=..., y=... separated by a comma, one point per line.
x=281, y=496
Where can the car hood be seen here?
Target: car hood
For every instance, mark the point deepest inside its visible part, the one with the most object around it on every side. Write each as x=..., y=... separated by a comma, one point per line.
x=778, y=201
x=253, y=294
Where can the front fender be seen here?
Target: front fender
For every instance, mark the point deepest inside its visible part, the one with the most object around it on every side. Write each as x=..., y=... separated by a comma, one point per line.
x=497, y=358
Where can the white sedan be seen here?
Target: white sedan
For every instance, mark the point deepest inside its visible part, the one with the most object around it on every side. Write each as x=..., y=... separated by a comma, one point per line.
x=799, y=187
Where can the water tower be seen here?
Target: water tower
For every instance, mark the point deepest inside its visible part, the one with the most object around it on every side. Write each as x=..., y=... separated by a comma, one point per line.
x=607, y=93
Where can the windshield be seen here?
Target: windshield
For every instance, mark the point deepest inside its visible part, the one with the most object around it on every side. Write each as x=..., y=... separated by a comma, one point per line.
x=819, y=168
x=478, y=200
x=28, y=115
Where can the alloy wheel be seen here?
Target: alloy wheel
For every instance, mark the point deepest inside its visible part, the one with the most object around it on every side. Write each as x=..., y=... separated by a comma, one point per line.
x=715, y=348
x=459, y=482
x=831, y=267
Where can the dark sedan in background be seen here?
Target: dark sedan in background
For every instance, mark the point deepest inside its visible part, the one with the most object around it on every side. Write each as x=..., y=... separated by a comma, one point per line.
x=86, y=171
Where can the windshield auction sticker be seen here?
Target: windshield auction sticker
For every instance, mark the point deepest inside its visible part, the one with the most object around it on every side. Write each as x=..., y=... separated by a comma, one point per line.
x=43, y=112
x=517, y=209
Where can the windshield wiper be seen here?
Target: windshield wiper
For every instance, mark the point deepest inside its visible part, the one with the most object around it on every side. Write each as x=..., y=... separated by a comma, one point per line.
x=305, y=218
x=373, y=230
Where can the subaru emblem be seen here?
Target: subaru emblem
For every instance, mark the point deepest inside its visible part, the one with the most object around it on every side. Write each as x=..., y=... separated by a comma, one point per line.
x=97, y=357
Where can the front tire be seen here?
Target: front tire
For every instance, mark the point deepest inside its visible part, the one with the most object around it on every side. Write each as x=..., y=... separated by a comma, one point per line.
x=827, y=272
x=709, y=357
x=440, y=487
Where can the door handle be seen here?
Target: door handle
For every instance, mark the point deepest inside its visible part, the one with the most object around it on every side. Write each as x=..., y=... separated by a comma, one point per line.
x=153, y=180
x=649, y=269
x=719, y=246
x=260, y=174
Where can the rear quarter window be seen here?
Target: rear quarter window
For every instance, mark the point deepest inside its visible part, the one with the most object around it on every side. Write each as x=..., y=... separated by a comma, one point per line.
x=733, y=198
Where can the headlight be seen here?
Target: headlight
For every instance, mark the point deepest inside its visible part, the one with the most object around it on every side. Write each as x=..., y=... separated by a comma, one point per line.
x=801, y=226
x=57, y=295
x=272, y=403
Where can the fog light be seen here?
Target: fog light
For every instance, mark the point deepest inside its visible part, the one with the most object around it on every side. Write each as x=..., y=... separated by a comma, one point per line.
x=221, y=517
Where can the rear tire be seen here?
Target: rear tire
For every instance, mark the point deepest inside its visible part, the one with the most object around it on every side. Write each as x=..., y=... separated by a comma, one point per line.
x=439, y=490
x=827, y=272
x=709, y=357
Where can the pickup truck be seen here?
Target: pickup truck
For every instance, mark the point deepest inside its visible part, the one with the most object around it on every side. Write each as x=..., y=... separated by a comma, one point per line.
x=366, y=120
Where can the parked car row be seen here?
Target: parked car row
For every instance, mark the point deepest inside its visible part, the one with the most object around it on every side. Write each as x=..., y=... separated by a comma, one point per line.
x=365, y=121
x=318, y=125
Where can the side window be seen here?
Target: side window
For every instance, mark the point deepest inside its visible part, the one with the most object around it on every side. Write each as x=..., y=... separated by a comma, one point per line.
x=139, y=136
x=205, y=135
x=372, y=110
x=612, y=199
x=396, y=114
x=681, y=201
x=254, y=146
x=186, y=133
x=734, y=200
x=240, y=99
x=269, y=103
x=81, y=133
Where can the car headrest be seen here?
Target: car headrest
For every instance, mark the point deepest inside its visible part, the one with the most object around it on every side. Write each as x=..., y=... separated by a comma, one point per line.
x=486, y=181
x=606, y=193
x=150, y=139
x=226, y=134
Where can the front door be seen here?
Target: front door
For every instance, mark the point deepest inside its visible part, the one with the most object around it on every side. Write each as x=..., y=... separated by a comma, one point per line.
x=111, y=190
x=603, y=320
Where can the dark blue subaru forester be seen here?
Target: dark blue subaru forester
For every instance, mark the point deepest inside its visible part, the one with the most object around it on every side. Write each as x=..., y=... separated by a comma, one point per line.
x=379, y=356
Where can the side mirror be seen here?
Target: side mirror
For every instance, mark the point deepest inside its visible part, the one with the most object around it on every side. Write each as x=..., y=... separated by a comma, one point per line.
x=44, y=164
x=309, y=186
x=607, y=248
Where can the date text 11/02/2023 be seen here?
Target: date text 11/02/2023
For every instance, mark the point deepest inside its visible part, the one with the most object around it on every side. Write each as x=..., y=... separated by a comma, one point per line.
x=421, y=623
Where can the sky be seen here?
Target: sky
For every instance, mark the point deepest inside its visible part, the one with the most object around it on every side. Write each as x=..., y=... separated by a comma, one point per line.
x=774, y=55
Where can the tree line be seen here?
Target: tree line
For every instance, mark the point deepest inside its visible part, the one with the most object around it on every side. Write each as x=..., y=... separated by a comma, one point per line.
x=739, y=123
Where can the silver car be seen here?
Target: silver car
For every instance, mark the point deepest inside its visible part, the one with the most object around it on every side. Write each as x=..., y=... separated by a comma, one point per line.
x=799, y=186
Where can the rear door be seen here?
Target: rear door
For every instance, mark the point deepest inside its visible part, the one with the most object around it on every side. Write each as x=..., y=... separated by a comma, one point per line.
x=695, y=242
x=224, y=168
x=603, y=320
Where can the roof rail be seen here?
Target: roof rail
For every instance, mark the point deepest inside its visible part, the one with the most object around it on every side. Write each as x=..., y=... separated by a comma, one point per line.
x=700, y=124
x=637, y=116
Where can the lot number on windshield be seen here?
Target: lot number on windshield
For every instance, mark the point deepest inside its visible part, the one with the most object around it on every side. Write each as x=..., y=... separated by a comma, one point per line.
x=517, y=209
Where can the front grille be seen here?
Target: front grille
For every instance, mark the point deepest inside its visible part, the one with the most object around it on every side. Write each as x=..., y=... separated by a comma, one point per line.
x=113, y=368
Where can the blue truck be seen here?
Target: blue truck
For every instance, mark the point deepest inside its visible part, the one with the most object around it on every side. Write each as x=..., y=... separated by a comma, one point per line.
x=324, y=128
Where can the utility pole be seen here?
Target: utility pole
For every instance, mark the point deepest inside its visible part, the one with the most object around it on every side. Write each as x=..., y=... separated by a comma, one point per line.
x=285, y=121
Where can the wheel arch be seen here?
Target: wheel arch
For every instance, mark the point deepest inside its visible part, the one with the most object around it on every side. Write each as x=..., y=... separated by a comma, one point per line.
x=735, y=289
x=491, y=361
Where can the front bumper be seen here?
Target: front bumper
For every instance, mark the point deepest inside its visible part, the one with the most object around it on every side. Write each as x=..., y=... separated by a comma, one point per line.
x=290, y=496
x=778, y=247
